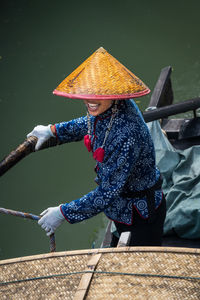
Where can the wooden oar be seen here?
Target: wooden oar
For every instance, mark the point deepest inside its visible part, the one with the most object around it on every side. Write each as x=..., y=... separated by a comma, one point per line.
x=28, y=146
x=16, y=155
x=32, y=217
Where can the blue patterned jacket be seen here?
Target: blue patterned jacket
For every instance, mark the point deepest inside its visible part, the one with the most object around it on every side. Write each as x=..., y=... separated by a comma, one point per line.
x=129, y=163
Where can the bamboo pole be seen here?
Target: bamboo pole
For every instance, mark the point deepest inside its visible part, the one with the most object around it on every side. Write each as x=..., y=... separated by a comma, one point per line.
x=29, y=216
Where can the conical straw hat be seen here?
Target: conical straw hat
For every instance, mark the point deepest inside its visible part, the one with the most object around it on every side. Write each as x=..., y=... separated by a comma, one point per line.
x=101, y=76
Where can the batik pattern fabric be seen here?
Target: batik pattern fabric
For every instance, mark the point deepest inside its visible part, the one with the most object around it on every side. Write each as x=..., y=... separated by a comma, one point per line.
x=129, y=164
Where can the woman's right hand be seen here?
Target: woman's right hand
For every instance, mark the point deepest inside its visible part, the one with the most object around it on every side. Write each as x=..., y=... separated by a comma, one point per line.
x=43, y=133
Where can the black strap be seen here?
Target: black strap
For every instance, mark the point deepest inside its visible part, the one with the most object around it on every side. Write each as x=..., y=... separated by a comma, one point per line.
x=143, y=193
x=150, y=195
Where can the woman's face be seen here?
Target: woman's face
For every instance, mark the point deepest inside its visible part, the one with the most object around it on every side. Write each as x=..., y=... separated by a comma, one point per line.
x=97, y=107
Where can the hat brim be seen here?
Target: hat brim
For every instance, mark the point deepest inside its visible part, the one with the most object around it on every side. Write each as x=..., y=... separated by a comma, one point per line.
x=102, y=97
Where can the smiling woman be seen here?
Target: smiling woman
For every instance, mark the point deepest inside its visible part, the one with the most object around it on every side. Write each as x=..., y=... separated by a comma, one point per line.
x=129, y=184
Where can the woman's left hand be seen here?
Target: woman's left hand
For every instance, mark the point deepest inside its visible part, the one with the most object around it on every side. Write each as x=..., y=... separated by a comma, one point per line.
x=51, y=219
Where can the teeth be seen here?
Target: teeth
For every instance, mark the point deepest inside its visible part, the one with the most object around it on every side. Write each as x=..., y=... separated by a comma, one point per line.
x=93, y=105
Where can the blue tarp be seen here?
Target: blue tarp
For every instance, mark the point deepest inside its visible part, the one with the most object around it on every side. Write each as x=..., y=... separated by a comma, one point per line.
x=181, y=184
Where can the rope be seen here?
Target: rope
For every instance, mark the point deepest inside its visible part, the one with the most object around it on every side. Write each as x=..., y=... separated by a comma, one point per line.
x=99, y=272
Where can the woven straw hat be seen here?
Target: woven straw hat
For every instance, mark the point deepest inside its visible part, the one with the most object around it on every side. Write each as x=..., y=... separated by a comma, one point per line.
x=101, y=76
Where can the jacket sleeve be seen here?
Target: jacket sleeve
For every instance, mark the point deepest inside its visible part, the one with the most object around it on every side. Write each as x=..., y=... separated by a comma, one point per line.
x=114, y=174
x=71, y=131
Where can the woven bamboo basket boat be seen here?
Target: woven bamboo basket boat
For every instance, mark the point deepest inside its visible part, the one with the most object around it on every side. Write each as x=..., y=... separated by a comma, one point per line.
x=112, y=273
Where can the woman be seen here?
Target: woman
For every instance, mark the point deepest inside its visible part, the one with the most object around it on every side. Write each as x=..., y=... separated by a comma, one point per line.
x=129, y=185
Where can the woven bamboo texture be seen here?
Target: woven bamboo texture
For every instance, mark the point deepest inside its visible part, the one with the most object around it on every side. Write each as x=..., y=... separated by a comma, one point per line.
x=171, y=273
x=101, y=76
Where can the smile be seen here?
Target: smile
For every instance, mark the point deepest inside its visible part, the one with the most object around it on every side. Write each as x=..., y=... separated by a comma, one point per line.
x=93, y=107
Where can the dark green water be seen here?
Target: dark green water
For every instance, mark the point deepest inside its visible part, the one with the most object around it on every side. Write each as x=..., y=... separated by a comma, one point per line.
x=41, y=42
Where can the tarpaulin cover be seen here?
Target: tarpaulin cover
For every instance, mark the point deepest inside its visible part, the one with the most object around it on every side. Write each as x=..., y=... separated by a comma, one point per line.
x=181, y=184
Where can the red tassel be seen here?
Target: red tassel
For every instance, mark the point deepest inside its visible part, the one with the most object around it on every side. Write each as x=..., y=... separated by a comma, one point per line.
x=99, y=154
x=87, y=142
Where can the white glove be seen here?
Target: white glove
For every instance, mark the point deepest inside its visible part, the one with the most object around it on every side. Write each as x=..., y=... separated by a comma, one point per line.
x=43, y=133
x=51, y=219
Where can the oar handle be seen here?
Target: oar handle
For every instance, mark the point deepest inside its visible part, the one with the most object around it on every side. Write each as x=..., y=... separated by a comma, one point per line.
x=32, y=217
x=27, y=147
x=16, y=155
x=52, y=243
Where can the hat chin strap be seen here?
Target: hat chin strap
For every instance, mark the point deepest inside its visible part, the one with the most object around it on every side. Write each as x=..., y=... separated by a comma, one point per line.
x=99, y=153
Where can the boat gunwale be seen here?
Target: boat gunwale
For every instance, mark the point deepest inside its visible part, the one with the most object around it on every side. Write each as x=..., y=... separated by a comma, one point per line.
x=178, y=250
